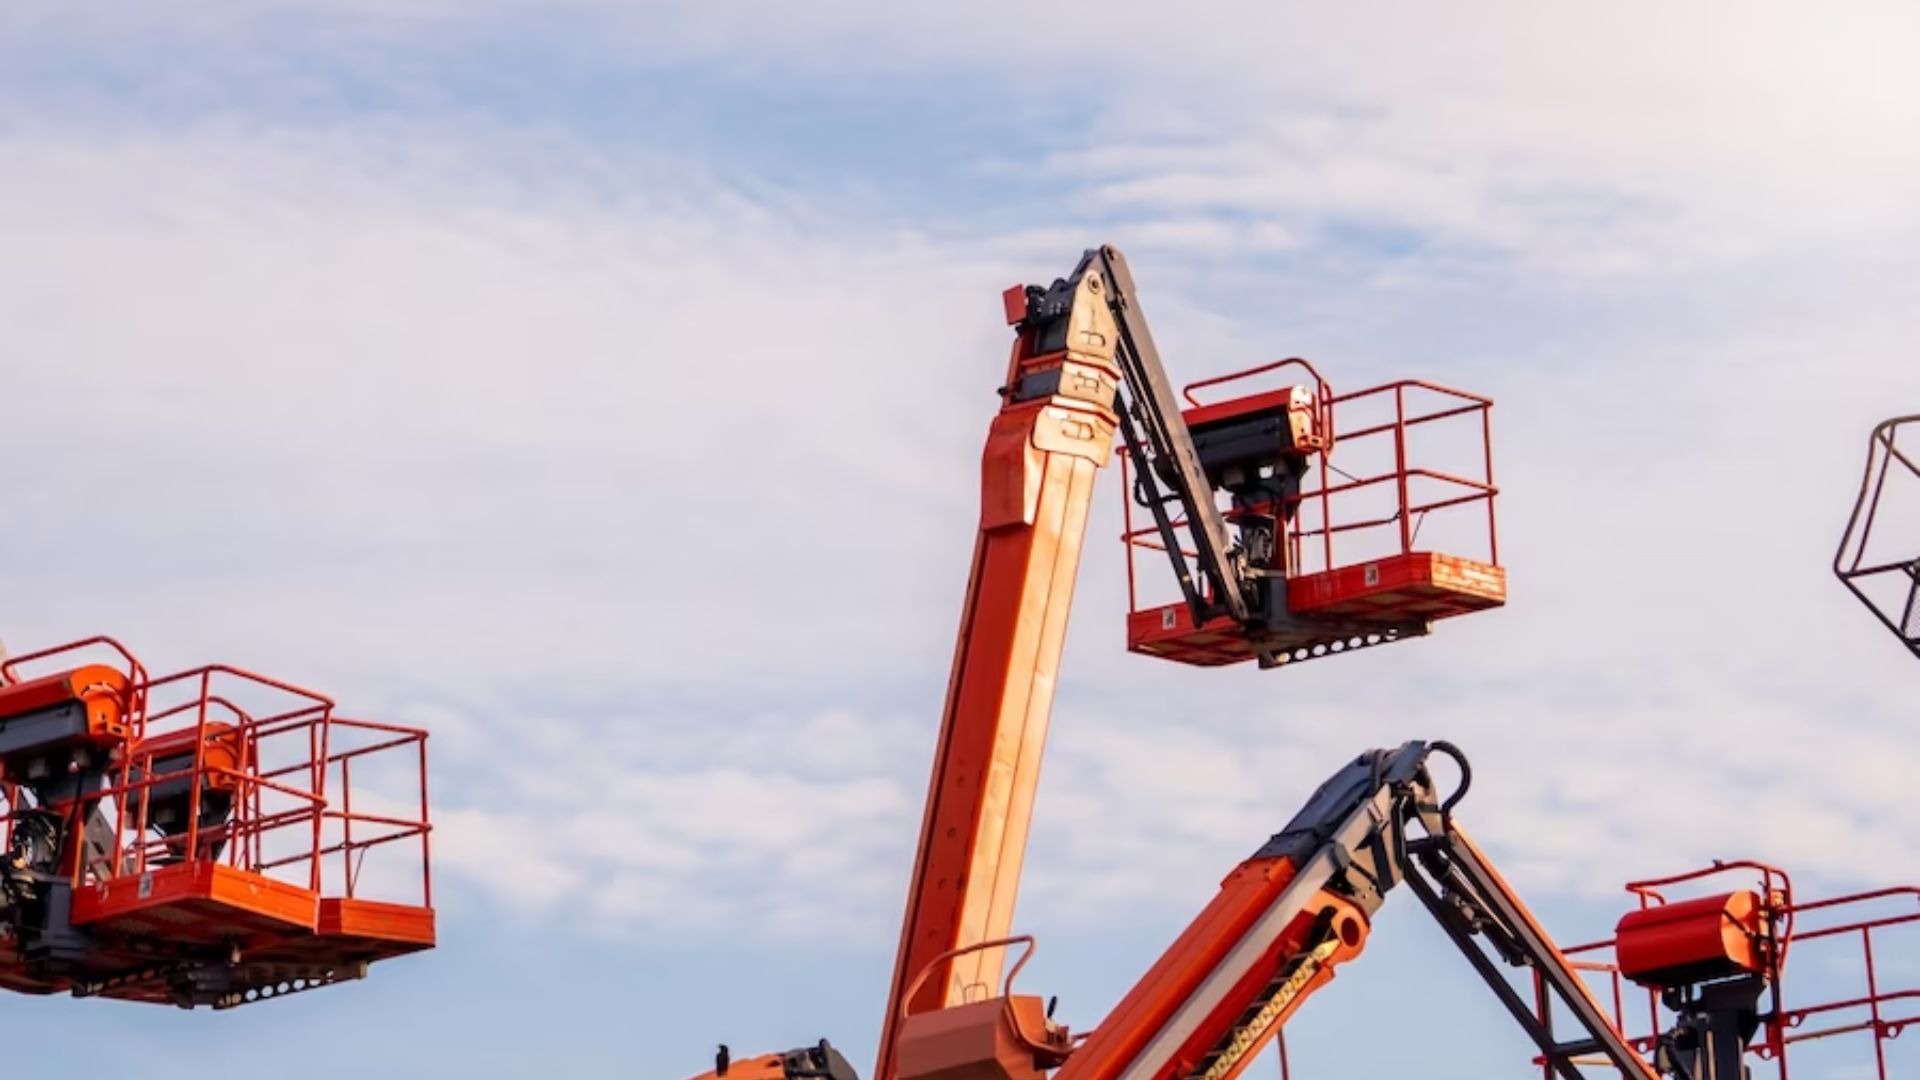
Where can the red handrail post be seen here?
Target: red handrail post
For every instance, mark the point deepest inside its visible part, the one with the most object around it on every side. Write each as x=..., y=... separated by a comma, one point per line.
x=1400, y=463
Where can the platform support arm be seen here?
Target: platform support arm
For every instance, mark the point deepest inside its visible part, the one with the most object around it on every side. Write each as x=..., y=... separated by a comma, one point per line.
x=1491, y=926
x=1152, y=424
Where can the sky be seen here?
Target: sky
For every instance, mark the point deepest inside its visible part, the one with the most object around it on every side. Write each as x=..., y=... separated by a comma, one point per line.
x=601, y=386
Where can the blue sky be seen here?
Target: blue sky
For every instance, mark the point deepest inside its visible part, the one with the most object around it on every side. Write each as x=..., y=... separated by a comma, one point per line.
x=601, y=386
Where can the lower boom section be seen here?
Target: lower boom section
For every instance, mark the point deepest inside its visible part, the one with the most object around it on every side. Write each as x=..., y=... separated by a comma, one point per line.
x=1301, y=906
x=1281, y=925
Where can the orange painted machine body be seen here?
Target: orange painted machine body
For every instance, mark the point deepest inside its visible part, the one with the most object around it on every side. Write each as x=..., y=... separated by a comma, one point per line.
x=1061, y=407
x=99, y=692
x=1051, y=437
x=224, y=753
x=1001, y=1038
x=764, y=1067
x=1188, y=1015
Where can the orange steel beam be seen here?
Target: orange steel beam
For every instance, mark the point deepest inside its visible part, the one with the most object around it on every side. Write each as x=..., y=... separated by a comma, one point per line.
x=1294, y=911
x=1217, y=997
x=1053, y=433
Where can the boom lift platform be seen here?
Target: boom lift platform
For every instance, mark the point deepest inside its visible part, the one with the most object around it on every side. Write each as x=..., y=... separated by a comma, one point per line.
x=193, y=839
x=1695, y=976
x=1885, y=574
x=1337, y=534
x=1260, y=579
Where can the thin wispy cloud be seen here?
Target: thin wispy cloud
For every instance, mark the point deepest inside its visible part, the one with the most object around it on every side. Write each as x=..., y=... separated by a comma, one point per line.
x=638, y=459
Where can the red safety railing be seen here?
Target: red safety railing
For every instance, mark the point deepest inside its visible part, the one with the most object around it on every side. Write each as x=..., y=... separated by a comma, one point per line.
x=267, y=771
x=1402, y=457
x=264, y=754
x=1379, y=481
x=1804, y=1008
x=1322, y=390
x=353, y=834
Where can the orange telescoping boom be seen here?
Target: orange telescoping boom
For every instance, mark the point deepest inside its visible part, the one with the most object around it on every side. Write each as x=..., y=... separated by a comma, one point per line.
x=1085, y=367
x=1299, y=907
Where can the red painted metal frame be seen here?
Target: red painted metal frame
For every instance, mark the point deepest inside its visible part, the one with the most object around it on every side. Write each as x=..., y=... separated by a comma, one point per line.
x=1880, y=1011
x=1406, y=510
x=1322, y=390
x=1325, y=488
x=292, y=782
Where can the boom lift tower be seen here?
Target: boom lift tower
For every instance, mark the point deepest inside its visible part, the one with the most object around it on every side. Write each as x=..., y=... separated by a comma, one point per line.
x=1258, y=579
x=1084, y=366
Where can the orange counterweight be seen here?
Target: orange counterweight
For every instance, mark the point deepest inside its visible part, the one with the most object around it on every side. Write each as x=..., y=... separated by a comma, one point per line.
x=1712, y=937
x=84, y=706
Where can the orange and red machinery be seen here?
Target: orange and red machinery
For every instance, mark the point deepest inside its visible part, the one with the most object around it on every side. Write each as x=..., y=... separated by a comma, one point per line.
x=1710, y=971
x=818, y=1062
x=1283, y=921
x=193, y=839
x=1313, y=554
x=1882, y=572
x=1302, y=905
x=1265, y=540
x=1084, y=369
x=1338, y=536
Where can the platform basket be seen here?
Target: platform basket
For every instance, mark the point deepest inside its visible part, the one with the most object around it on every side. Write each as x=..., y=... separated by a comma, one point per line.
x=1394, y=528
x=254, y=834
x=1844, y=989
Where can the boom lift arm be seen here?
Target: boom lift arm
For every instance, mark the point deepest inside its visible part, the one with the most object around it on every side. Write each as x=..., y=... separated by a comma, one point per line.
x=1300, y=907
x=1083, y=366
x=1076, y=343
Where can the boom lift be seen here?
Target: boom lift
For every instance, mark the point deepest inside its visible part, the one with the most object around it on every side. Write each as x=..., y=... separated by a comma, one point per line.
x=192, y=839
x=1085, y=367
x=1261, y=580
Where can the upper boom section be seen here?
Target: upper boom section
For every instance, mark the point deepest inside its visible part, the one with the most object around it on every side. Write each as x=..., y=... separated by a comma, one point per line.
x=1053, y=433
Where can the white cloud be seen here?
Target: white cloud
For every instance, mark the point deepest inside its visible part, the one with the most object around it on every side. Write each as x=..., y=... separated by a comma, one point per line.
x=761, y=825
x=1611, y=139
x=375, y=410
x=1604, y=139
